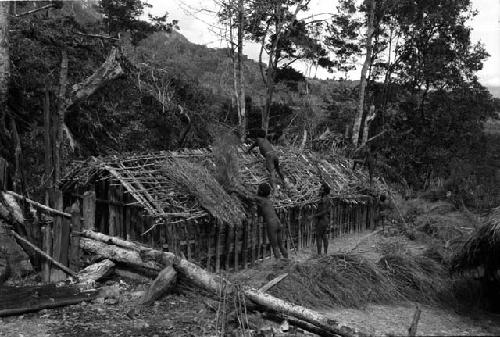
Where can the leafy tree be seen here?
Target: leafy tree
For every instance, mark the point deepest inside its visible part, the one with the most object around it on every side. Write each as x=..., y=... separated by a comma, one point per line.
x=285, y=38
x=124, y=15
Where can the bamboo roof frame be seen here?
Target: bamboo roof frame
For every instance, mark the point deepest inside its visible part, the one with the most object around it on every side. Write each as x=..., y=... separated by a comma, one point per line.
x=142, y=177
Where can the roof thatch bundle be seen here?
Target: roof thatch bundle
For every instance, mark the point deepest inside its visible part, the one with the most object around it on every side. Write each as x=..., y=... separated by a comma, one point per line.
x=482, y=248
x=198, y=182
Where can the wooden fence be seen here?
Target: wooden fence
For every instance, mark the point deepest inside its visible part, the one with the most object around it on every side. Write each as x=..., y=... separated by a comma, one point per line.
x=205, y=241
x=211, y=244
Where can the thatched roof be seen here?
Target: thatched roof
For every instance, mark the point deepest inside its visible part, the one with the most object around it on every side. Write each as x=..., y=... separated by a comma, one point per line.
x=482, y=248
x=159, y=181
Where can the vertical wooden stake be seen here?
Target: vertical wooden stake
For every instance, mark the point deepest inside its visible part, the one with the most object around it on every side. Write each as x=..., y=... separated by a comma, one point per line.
x=245, y=245
x=188, y=241
x=211, y=232
x=74, y=262
x=47, y=248
x=217, y=246
x=89, y=210
x=259, y=238
x=57, y=275
x=236, y=250
x=252, y=238
x=299, y=238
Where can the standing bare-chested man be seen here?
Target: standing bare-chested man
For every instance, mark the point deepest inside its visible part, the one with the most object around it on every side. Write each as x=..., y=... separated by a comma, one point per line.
x=322, y=219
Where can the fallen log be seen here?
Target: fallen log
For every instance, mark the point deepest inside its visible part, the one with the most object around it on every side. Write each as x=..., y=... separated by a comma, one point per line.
x=96, y=271
x=213, y=283
x=161, y=285
x=120, y=255
x=110, y=240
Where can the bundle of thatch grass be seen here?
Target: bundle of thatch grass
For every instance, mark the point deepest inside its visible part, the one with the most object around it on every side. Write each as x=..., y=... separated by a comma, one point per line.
x=343, y=279
x=352, y=281
x=225, y=150
x=482, y=248
x=199, y=183
x=417, y=278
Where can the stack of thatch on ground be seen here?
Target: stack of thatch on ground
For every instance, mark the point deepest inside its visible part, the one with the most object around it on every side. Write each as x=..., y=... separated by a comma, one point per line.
x=352, y=281
x=482, y=249
x=185, y=185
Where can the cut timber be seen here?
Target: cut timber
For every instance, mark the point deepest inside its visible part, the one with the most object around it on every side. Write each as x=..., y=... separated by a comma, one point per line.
x=20, y=300
x=272, y=283
x=213, y=283
x=162, y=284
x=96, y=271
x=120, y=255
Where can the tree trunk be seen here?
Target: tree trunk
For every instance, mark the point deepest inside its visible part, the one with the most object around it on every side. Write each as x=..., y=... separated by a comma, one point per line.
x=48, y=144
x=17, y=181
x=362, y=85
x=4, y=63
x=213, y=283
x=240, y=77
x=368, y=120
x=58, y=127
x=271, y=70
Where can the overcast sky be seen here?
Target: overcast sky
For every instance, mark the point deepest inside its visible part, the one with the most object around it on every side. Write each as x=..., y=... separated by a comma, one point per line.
x=197, y=26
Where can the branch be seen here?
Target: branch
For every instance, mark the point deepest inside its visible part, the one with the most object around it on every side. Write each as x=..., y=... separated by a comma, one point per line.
x=109, y=70
x=51, y=5
x=97, y=36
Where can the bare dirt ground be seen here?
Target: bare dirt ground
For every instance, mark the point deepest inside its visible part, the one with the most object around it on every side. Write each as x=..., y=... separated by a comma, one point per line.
x=187, y=314
x=390, y=319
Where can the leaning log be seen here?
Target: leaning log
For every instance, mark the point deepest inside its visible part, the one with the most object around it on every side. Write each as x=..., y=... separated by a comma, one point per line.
x=161, y=285
x=44, y=255
x=213, y=283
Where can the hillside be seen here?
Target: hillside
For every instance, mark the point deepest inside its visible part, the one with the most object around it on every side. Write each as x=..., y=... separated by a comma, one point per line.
x=495, y=91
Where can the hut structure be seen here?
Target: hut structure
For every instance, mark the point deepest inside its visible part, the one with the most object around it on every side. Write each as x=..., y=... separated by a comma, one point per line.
x=482, y=249
x=176, y=201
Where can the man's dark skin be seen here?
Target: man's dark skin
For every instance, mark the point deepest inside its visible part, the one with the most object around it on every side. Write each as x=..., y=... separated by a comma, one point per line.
x=383, y=208
x=365, y=158
x=322, y=219
x=267, y=151
x=271, y=220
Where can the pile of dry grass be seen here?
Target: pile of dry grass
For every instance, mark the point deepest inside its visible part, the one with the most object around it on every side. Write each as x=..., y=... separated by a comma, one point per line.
x=351, y=281
x=417, y=278
x=199, y=183
x=482, y=248
x=343, y=279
